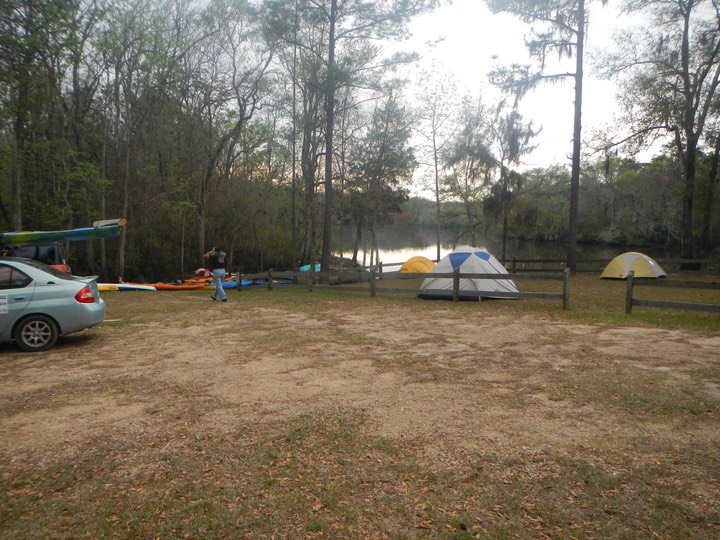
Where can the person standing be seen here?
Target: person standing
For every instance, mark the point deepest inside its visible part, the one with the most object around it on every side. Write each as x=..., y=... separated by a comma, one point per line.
x=217, y=259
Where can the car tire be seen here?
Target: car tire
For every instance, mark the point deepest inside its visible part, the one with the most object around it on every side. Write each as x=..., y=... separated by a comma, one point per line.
x=36, y=333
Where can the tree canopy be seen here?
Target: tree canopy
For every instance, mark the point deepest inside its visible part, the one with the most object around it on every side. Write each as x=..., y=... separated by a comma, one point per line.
x=269, y=126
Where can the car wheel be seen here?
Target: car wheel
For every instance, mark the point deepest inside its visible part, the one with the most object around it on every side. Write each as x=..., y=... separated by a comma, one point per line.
x=36, y=333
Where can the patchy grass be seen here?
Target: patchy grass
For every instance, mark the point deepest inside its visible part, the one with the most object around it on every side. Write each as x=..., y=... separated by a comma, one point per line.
x=552, y=434
x=598, y=300
x=324, y=476
x=592, y=300
x=637, y=392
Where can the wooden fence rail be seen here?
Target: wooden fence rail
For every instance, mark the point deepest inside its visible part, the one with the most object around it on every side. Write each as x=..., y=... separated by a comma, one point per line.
x=690, y=266
x=684, y=266
x=633, y=282
x=364, y=281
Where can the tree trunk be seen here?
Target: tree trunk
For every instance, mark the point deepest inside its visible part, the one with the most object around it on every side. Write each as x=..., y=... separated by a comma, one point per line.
x=705, y=236
x=308, y=244
x=330, y=119
x=103, y=200
x=503, y=209
x=19, y=148
x=358, y=237
x=125, y=197
x=293, y=208
x=470, y=222
x=577, y=142
x=687, y=247
x=17, y=175
x=437, y=193
x=308, y=165
x=687, y=250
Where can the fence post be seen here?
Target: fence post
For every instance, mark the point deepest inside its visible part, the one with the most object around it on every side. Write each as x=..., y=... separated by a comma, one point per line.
x=269, y=278
x=629, y=292
x=566, y=288
x=456, y=284
x=310, y=278
x=372, y=282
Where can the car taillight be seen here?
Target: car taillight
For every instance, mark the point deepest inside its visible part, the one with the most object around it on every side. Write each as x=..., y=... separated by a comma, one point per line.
x=85, y=296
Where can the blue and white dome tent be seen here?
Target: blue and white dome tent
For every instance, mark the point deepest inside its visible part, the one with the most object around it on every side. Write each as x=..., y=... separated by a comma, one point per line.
x=469, y=260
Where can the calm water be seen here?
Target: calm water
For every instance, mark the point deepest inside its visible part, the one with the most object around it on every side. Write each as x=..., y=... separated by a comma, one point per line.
x=397, y=245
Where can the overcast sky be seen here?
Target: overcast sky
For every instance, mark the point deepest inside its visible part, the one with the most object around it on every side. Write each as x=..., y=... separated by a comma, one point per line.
x=473, y=36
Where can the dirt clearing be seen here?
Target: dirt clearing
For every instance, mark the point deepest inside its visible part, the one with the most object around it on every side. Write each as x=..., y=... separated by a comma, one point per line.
x=453, y=385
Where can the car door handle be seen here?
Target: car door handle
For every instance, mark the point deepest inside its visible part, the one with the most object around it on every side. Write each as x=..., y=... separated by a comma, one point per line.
x=19, y=298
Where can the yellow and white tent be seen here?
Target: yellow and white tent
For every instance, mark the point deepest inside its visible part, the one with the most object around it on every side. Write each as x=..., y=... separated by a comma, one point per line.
x=632, y=261
x=417, y=265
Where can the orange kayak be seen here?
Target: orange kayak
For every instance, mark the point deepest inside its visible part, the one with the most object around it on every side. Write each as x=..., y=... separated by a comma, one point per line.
x=178, y=286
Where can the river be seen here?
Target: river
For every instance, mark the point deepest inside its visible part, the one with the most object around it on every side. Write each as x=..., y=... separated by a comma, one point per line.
x=396, y=245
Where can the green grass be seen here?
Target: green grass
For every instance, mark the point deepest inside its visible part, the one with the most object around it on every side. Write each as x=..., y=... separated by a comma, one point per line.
x=592, y=300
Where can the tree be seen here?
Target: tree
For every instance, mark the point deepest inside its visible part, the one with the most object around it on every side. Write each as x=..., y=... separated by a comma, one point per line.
x=511, y=141
x=349, y=26
x=541, y=205
x=470, y=162
x=303, y=31
x=560, y=28
x=248, y=59
x=438, y=107
x=130, y=47
x=381, y=166
x=182, y=82
x=648, y=205
x=40, y=48
x=353, y=20
x=670, y=80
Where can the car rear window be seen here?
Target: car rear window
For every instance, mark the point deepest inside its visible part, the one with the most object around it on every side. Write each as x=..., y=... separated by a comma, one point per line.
x=49, y=269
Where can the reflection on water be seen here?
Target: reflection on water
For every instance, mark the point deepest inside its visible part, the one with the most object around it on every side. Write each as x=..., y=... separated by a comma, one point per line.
x=396, y=245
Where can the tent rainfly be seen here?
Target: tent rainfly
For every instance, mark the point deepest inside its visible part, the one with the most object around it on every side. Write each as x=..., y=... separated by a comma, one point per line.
x=469, y=260
x=639, y=263
x=417, y=265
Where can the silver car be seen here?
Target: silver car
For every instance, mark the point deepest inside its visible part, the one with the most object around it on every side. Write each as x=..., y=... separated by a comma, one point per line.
x=39, y=303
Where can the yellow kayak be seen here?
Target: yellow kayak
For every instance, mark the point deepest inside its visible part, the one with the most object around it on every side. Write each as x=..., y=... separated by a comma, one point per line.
x=107, y=287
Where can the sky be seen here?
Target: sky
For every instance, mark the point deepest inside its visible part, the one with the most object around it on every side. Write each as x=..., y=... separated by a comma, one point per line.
x=472, y=36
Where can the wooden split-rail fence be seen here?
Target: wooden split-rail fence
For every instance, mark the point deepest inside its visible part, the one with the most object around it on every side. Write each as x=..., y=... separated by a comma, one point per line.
x=375, y=282
x=633, y=282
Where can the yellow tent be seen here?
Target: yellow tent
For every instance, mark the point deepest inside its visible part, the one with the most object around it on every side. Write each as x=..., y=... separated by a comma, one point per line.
x=417, y=265
x=642, y=266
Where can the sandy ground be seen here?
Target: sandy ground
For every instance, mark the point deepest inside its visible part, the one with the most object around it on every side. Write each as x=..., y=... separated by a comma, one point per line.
x=458, y=377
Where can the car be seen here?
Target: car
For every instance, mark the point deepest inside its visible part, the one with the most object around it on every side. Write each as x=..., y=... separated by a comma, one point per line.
x=50, y=253
x=38, y=303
